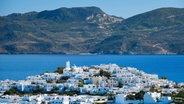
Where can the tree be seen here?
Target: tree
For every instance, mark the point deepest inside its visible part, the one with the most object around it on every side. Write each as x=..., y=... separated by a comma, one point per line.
x=80, y=84
x=180, y=94
x=139, y=95
x=13, y=91
x=72, y=70
x=70, y=93
x=60, y=70
x=167, y=86
x=120, y=85
x=55, y=89
x=104, y=73
x=37, y=91
x=153, y=89
x=47, y=72
x=163, y=77
x=64, y=78
x=49, y=81
x=178, y=97
x=96, y=75
x=110, y=96
x=130, y=97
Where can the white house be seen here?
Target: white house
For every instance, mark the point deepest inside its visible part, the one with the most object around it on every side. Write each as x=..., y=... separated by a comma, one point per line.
x=89, y=87
x=51, y=76
x=112, y=83
x=72, y=80
x=57, y=101
x=26, y=86
x=168, y=90
x=6, y=85
x=120, y=99
x=96, y=80
x=37, y=79
x=110, y=67
x=151, y=98
x=77, y=69
x=102, y=90
x=71, y=86
x=165, y=100
x=50, y=86
x=81, y=75
x=93, y=71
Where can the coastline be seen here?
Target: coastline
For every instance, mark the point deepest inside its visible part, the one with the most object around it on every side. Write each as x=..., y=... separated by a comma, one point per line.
x=80, y=54
x=19, y=64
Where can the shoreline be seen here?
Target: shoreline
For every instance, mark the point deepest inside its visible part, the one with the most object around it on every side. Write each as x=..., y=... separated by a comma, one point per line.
x=83, y=54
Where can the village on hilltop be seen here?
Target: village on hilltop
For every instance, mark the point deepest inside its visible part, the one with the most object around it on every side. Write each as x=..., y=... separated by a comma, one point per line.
x=96, y=84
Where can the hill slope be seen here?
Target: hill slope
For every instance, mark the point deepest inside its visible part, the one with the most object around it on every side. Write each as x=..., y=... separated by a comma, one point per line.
x=159, y=31
x=90, y=30
x=64, y=30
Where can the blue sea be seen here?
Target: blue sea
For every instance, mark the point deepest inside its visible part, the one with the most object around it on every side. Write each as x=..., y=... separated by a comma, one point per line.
x=17, y=67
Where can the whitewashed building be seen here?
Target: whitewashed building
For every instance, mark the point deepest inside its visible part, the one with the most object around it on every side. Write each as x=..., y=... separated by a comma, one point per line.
x=151, y=98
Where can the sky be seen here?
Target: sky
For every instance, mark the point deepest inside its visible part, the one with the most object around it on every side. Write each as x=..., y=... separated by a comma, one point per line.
x=121, y=8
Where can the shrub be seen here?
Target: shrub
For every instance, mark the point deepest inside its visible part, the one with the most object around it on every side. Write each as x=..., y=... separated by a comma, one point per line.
x=59, y=70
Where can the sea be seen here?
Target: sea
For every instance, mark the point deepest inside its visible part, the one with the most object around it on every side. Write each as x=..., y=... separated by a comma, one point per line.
x=18, y=67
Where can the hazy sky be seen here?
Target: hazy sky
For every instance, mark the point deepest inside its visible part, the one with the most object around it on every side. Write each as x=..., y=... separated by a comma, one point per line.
x=122, y=8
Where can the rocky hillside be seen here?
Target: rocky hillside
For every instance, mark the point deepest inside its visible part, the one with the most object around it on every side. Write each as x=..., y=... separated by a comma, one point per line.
x=160, y=31
x=90, y=30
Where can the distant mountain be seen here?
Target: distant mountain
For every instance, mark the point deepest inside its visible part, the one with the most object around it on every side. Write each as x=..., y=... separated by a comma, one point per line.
x=157, y=18
x=159, y=31
x=90, y=30
x=64, y=30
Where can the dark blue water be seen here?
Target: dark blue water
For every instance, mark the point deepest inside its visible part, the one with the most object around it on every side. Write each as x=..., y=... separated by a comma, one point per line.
x=17, y=67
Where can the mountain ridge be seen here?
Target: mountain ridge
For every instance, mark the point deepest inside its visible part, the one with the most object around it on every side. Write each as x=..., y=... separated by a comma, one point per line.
x=90, y=30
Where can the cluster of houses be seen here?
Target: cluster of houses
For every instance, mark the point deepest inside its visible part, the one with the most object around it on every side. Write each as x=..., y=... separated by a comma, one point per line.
x=52, y=99
x=88, y=82
x=149, y=98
